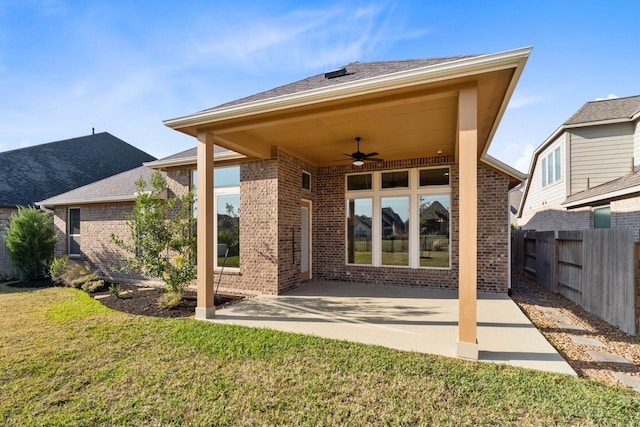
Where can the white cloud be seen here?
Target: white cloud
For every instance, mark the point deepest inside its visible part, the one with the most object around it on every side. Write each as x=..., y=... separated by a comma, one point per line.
x=523, y=161
x=519, y=101
x=610, y=96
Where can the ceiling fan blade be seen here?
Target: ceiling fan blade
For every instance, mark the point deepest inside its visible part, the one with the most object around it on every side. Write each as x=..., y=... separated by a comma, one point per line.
x=373, y=159
x=371, y=154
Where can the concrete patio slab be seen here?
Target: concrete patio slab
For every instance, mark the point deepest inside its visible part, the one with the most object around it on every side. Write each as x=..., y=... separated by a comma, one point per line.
x=410, y=319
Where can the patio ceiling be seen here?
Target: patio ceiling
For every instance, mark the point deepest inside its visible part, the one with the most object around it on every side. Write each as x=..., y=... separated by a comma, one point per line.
x=406, y=115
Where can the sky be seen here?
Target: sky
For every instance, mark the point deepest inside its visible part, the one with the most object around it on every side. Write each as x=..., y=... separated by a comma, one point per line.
x=67, y=66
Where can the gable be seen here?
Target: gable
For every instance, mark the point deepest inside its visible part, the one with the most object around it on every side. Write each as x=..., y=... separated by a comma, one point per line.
x=42, y=171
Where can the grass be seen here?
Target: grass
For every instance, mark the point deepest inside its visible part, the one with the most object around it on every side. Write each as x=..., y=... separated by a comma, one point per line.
x=66, y=360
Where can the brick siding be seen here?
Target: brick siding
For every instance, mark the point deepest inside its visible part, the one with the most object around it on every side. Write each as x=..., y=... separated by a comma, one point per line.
x=270, y=223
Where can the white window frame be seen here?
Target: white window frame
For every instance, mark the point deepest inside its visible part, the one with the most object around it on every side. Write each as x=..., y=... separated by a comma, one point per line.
x=222, y=191
x=217, y=191
x=70, y=235
x=414, y=191
x=552, y=162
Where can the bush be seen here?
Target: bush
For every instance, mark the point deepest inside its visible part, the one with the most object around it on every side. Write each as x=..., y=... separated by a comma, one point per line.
x=30, y=239
x=57, y=268
x=79, y=275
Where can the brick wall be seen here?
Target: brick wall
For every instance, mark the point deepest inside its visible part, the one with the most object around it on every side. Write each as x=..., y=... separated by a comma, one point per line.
x=556, y=219
x=97, y=223
x=270, y=244
x=329, y=228
x=290, y=194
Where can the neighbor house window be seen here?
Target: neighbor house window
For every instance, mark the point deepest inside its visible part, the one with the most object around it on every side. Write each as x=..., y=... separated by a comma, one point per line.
x=226, y=203
x=73, y=230
x=602, y=217
x=552, y=168
x=399, y=218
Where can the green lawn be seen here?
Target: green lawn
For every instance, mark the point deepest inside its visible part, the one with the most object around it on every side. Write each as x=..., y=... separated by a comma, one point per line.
x=66, y=360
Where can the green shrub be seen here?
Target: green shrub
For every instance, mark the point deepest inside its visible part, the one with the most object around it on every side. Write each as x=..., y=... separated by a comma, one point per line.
x=161, y=242
x=57, y=268
x=170, y=299
x=115, y=289
x=30, y=239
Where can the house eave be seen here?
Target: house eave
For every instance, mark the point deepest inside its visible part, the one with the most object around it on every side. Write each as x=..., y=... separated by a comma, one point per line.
x=191, y=160
x=431, y=74
x=86, y=201
x=602, y=197
x=516, y=177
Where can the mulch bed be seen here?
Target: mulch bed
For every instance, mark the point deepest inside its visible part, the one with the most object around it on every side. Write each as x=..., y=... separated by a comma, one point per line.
x=139, y=300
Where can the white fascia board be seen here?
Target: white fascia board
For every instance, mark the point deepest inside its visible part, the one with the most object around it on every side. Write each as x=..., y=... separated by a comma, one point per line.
x=610, y=195
x=448, y=70
x=192, y=160
x=598, y=123
x=87, y=201
x=503, y=167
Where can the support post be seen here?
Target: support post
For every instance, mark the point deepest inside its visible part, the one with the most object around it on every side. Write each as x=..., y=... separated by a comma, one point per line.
x=205, y=308
x=468, y=220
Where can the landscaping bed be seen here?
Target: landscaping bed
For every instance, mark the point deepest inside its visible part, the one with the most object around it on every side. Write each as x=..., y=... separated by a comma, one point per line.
x=134, y=299
x=530, y=297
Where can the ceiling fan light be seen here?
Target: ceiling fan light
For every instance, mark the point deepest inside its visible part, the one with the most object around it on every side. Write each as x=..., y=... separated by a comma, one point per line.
x=358, y=163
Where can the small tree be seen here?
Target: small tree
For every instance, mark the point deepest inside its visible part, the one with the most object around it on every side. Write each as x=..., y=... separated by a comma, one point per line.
x=31, y=239
x=161, y=241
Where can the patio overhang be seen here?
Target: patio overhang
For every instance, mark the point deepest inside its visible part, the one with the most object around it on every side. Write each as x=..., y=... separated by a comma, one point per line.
x=451, y=108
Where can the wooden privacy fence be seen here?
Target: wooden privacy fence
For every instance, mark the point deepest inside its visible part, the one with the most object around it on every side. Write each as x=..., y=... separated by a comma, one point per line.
x=6, y=267
x=598, y=269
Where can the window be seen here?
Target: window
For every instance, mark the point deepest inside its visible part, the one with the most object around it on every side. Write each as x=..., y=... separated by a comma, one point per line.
x=359, y=231
x=399, y=218
x=394, y=216
x=226, y=182
x=359, y=182
x=602, y=217
x=306, y=180
x=551, y=168
x=73, y=230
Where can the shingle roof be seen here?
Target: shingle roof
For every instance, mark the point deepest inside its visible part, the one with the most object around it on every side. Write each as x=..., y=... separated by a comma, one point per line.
x=120, y=186
x=32, y=174
x=607, y=109
x=626, y=182
x=192, y=152
x=354, y=71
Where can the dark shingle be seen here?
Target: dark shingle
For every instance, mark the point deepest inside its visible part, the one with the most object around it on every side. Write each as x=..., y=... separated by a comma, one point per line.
x=354, y=72
x=116, y=186
x=628, y=181
x=32, y=174
x=607, y=109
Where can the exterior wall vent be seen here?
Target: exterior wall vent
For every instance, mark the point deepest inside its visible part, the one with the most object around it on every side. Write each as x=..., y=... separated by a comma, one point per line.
x=338, y=72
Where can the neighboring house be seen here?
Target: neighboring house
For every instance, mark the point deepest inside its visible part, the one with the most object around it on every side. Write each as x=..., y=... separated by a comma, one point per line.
x=34, y=173
x=515, y=199
x=431, y=120
x=583, y=175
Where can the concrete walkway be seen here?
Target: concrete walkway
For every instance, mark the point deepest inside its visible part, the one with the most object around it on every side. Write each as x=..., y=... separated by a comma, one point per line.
x=410, y=319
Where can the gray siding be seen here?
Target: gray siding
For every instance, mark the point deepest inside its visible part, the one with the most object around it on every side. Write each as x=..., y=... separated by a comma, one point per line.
x=551, y=196
x=636, y=144
x=600, y=154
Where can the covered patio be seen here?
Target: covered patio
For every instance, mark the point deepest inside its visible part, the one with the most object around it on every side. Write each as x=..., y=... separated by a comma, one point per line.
x=418, y=115
x=409, y=319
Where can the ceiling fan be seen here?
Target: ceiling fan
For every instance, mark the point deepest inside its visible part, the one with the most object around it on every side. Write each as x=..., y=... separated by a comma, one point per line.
x=359, y=157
